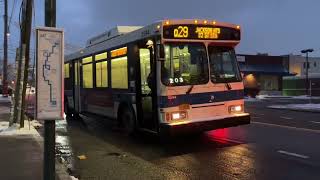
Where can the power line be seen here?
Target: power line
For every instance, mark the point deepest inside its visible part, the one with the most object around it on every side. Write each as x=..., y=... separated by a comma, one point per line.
x=12, y=10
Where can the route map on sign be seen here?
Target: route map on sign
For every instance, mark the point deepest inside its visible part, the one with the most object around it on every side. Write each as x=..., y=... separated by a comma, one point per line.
x=49, y=73
x=47, y=70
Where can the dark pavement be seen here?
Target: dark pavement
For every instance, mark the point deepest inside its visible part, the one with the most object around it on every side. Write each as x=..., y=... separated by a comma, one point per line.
x=20, y=155
x=279, y=144
x=21, y=158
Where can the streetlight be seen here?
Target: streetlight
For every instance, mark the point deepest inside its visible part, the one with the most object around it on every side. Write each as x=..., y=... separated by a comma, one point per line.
x=306, y=51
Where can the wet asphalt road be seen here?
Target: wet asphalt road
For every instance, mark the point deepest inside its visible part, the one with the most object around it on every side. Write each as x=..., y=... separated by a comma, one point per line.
x=279, y=144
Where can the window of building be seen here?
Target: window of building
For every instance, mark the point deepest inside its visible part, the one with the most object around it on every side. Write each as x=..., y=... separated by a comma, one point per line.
x=315, y=64
x=87, y=72
x=67, y=70
x=119, y=73
x=102, y=74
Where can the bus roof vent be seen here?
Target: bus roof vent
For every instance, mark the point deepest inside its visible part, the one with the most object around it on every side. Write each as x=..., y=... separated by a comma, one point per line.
x=112, y=33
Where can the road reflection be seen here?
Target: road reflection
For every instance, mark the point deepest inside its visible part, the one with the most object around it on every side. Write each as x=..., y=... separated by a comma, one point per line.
x=197, y=154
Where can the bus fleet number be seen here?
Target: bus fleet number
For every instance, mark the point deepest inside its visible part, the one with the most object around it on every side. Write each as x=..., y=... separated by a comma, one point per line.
x=181, y=32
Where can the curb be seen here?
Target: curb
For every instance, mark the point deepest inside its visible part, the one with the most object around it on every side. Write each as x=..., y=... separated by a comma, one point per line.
x=61, y=170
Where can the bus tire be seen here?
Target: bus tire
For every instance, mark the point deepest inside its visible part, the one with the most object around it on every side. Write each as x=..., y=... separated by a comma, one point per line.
x=127, y=120
x=67, y=110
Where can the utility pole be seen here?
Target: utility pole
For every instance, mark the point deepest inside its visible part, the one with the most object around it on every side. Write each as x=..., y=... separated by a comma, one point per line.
x=26, y=28
x=19, y=83
x=5, y=51
x=49, y=126
x=306, y=51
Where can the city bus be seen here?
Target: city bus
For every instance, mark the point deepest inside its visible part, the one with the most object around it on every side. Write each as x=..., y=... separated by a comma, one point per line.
x=169, y=77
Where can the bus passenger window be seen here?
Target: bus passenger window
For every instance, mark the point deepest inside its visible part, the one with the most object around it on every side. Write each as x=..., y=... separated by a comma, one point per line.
x=119, y=73
x=67, y=70
x=87, y=76
x=144, y=70
x=102, y=74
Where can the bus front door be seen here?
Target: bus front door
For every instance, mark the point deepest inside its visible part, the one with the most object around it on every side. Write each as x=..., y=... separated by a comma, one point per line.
x=145, y=117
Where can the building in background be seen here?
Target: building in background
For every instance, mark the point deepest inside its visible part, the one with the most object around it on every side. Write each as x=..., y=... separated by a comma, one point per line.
x=296, y=85
x=263, y=73
x=298, y=65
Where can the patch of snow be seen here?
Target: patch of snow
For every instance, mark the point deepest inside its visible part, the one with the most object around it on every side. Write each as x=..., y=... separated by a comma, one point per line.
x=306, y=97
x=286, y=97
x=74, y=178
x=306, y=106
x=5, y=130
x=250, y=99
x=309, y=107
x=272, y=96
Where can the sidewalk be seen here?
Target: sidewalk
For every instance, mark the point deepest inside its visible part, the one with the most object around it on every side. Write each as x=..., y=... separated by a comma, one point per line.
x=21, y=150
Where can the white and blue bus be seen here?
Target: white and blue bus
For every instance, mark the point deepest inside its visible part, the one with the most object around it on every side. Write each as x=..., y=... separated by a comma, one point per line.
x=173, y=76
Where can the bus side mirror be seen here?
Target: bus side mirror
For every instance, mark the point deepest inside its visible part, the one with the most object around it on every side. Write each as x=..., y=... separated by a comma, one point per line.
x=161, y=52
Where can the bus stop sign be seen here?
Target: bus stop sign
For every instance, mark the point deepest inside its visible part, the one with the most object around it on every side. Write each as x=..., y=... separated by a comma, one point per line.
x=49, y=87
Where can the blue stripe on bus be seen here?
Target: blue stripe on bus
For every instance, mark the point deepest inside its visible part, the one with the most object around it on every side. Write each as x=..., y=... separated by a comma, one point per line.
x=200, y=98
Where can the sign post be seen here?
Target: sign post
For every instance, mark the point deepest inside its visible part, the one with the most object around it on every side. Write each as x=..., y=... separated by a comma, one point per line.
x=49, y=89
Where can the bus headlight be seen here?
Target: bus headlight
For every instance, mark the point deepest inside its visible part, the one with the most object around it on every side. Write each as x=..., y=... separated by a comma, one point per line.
x=236, y=109
x=179, y=115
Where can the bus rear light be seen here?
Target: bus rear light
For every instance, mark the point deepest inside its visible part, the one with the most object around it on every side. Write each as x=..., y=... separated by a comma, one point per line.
x=236, y=109
x=179, y=115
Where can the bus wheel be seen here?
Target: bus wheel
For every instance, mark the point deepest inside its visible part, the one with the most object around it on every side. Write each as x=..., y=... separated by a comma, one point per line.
x=128, y=120
x=67, y=111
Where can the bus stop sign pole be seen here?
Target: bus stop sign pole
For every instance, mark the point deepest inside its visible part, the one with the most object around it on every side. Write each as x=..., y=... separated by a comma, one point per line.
x=49, y=90
x=49, y=80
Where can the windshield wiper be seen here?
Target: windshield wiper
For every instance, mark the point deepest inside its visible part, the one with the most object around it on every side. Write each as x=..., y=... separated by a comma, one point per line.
x=190, y=89
x=228, y=86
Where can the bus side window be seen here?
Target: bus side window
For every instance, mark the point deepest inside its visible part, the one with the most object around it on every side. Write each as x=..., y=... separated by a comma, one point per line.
x=145, y=69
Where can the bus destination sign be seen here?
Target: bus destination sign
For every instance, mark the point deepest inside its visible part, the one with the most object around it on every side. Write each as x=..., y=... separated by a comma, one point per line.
x=200, y=32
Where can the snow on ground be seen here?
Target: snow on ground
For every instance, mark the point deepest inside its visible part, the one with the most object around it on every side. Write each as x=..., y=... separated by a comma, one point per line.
x=250, y=99
x=302, y=107
x=5, y=99
x=5, y=130
x=305, y=97
x=286, y=97
x=73, y=178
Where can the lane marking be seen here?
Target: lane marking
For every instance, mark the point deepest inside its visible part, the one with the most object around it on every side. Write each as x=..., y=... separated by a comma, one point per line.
x=316, y=122
x=284, y=117
x=287, y=127
x=293, y=154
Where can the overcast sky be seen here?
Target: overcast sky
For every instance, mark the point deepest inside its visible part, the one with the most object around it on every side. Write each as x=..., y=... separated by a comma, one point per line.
x=276, y=27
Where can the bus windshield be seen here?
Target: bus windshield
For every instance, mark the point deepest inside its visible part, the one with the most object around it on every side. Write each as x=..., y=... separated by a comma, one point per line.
x=185, y=64
x=223, y=65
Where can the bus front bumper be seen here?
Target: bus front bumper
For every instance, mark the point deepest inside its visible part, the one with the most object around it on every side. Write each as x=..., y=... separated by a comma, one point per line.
x=192, y=127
